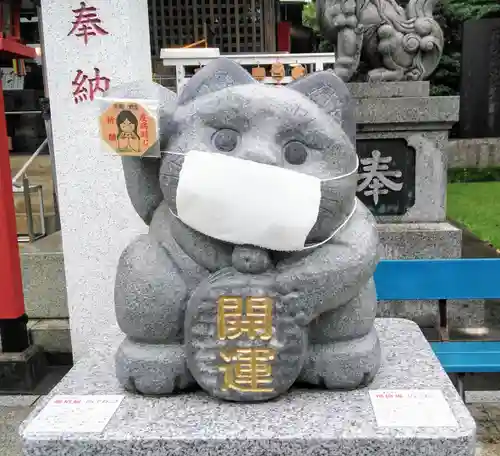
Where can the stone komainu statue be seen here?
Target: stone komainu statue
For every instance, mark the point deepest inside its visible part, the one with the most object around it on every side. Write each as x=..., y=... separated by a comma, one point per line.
x=399, y=43
x=242, y=321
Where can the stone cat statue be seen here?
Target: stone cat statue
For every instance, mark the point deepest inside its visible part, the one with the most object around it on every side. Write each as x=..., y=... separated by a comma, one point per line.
x=242, y=321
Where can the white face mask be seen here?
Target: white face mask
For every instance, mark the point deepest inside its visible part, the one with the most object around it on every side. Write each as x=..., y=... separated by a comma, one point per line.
x=244, y=202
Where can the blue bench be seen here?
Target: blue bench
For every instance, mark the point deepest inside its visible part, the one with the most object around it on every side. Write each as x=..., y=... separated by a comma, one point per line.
x=442, y=280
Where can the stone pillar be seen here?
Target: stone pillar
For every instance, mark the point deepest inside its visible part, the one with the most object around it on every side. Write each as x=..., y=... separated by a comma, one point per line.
x=401, y=143
x=480, y=100
x=89, y=46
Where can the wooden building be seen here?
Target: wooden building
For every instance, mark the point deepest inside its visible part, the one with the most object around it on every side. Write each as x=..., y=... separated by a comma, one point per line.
x=239, y=26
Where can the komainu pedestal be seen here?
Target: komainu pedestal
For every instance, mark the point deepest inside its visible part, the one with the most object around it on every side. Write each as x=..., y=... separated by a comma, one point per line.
x=401, y=143
x=227, y=300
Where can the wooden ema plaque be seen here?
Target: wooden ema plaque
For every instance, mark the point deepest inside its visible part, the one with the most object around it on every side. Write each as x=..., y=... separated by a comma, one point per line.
x=128, y=128
x=259, y=73
x=298, y=72
x=278, y=71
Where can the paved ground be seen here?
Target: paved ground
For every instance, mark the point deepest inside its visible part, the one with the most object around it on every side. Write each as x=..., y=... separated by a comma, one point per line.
x=15, y=409
x=12, y=413
x=487, y=417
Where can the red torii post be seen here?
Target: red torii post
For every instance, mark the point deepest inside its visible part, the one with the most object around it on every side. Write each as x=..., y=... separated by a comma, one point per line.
x=13, y=331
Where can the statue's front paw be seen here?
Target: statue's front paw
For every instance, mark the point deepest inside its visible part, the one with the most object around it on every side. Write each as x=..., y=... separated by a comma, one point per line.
x=384, y=74
x=152, y=369
x=299, y=308
x=340, y=21
x=346, y=364
x=304, y=294
x=343, y=72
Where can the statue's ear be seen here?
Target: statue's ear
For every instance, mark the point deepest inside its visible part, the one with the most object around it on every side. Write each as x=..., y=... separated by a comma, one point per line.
x=142, y=174
x=329, y=92
x=217, y=75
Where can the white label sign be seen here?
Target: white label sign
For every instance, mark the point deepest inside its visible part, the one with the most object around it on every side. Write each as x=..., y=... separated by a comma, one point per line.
x=75, y=414
x=411, y=408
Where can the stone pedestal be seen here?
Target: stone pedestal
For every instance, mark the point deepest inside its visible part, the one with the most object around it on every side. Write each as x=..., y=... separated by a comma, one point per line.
x=420, y=241
x=401, y=142
x=304, y=422
x=480, y=102
x=21, y=372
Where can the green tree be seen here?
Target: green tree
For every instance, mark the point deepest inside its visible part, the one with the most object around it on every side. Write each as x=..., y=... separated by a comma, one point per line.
x=451, y=14
x=309, y=16
x=446, y=79
x=474, y=9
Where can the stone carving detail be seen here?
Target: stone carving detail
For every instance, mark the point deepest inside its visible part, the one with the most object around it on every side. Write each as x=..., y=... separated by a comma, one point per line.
x=376, y=177
x=399, y=43
x=243, y=322
x=386, y=176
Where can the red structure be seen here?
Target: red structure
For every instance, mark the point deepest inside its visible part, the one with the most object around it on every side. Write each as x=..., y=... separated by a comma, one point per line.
x=284, y=37
x=13, y=330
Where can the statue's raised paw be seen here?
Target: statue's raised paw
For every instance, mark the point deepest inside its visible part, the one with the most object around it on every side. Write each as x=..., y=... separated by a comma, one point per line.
x=241, y=342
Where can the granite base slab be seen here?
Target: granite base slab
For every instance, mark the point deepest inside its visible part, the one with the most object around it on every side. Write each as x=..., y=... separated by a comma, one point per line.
x=304, y=422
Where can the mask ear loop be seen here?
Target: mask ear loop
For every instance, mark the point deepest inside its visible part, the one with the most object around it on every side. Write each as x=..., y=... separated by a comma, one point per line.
x=348, y=218
x=342, y=176
x=335, y=232
x=167, y=152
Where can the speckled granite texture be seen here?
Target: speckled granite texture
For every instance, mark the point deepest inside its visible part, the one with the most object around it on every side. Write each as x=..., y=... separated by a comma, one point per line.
x=430, y=170
x=404, y=110
x=97, y=218
x=397, y=89
x=304, y=422
x=422, y=241
x=173, y=285
x=409, y=111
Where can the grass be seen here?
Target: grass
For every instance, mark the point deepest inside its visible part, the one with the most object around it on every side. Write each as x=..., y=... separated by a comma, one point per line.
x=476, y=205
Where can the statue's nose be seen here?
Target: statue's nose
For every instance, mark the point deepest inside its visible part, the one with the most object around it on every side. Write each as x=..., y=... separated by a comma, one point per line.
x=259, y=154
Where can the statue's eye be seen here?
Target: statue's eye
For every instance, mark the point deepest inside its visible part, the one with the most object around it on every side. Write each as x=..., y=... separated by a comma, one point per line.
x=225, y=140
x=295, y=153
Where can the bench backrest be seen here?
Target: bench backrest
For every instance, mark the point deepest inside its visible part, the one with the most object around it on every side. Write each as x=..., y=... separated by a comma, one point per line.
x=438, y=279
